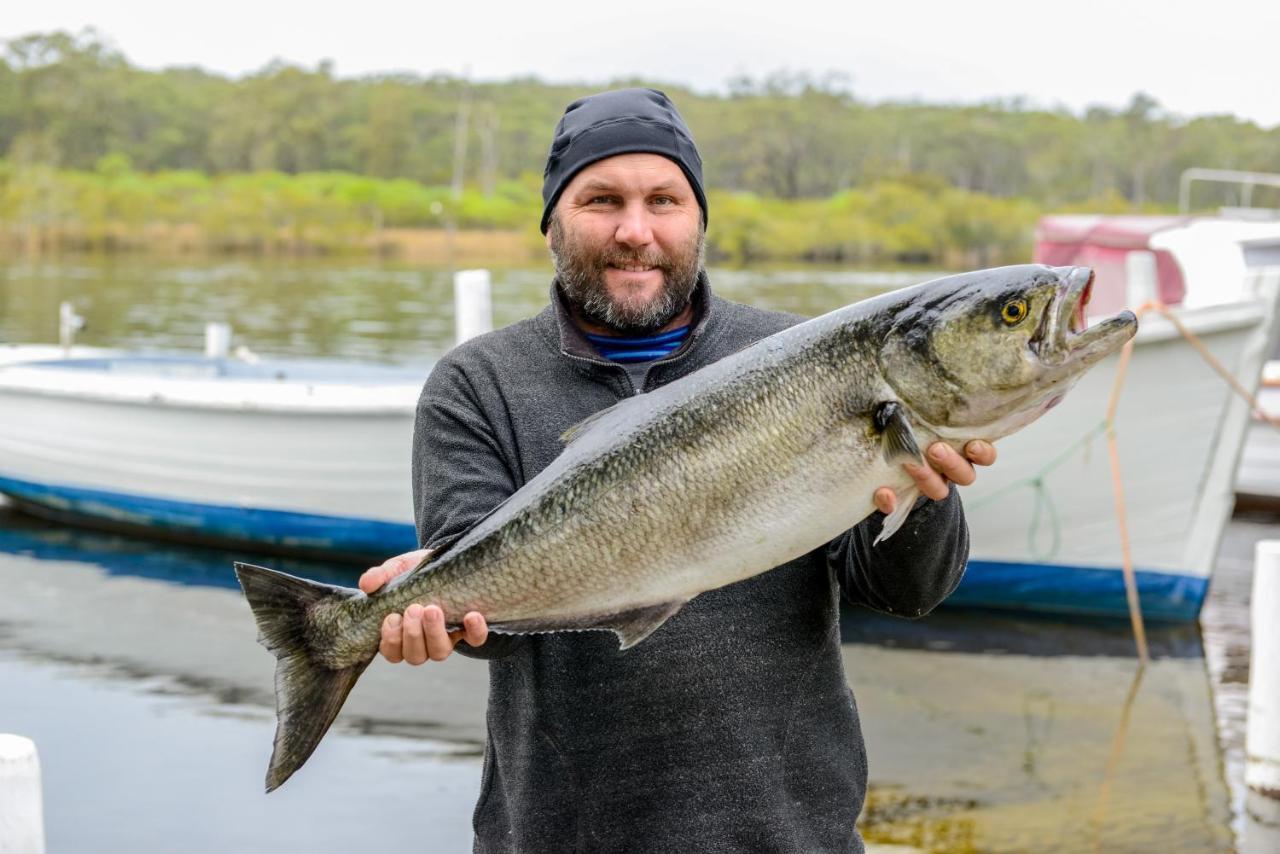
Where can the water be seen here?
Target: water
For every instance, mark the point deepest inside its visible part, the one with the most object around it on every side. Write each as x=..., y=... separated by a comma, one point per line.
x=134, y=664
x=372, y=312
x=133, y=763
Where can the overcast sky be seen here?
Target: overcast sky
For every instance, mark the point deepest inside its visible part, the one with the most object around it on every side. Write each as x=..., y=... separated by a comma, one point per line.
x=1193, y=57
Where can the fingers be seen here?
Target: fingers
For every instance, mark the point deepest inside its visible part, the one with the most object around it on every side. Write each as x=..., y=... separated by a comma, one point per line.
x=928, y=481
x=956, y=468
x=374, y=578
x=885, y=500
x=390, y=645
x=476, y=630
x=945, y=465
x=420, y=635
x=980, y=453
x=438, y=642
x=415, y=644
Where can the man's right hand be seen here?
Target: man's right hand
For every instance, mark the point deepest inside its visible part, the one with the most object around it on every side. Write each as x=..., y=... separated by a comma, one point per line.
x=419, y=633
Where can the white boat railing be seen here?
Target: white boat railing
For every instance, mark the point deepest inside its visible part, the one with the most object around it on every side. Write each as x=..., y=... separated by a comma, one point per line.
x=1246, y=180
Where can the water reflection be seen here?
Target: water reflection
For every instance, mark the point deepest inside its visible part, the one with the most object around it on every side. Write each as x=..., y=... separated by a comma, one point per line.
x=991, y=733
x=175, y=562
x=985, y=731
x=134, y=766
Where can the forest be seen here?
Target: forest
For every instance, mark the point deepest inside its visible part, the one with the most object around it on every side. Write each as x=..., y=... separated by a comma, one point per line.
x=97, y=154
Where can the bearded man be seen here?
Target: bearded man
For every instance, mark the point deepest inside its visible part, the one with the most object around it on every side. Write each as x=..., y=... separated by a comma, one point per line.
x=731, y=728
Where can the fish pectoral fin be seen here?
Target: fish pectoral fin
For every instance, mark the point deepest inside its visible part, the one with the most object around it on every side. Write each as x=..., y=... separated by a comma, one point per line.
x=897, y=440
x=906, y=503
x=631, y=627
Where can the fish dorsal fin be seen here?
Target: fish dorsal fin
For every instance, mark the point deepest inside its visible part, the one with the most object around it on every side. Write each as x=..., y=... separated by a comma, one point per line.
x=897, y=440
x=577, y=429
x=585, y=424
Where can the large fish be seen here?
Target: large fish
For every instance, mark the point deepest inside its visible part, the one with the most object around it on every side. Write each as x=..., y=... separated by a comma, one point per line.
x=719, y=476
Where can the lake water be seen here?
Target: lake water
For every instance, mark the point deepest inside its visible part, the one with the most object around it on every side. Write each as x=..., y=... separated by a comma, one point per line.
x=134, y=664
x=374, y=312
x=134, y=667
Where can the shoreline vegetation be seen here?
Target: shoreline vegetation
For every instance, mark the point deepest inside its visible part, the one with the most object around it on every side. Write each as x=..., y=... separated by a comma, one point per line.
x=100, y=156
x=113, y=209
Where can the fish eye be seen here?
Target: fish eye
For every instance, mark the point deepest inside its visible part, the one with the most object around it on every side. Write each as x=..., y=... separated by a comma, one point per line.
x=1014, y=312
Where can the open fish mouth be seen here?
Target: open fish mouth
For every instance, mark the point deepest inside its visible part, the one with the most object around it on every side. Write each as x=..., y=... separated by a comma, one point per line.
x=1065, y=335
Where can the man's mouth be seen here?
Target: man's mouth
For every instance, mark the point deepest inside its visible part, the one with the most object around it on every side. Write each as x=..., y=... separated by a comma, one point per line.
x=633, y=268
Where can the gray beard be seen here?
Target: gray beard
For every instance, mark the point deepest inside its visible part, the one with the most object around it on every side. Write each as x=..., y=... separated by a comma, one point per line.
x=580, y=273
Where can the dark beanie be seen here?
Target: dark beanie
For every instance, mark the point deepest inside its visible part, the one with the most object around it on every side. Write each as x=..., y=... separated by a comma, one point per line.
x=624, y=121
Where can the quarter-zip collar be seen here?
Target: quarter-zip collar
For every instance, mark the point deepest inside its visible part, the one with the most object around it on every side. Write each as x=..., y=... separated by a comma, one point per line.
x=574, y=344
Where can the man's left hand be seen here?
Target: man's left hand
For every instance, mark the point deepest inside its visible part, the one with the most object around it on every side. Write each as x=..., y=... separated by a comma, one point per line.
x=944, y=465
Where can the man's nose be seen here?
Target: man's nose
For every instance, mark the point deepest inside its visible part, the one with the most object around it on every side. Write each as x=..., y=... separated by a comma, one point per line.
x=634, y=228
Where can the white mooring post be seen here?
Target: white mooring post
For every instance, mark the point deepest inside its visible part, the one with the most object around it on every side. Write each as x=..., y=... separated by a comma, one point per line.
x=21, y=812
x=1262, y=739
x=472, y=304
x=217, y=340
x=69, y=323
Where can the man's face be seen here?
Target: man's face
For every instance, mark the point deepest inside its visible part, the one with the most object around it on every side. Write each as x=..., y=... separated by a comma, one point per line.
x=627, y=241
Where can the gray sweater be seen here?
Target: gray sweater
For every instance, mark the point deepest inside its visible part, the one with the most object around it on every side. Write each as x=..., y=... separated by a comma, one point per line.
x=732, y=728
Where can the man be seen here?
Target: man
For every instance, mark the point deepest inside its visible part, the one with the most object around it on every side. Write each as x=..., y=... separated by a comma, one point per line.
x=731, y=728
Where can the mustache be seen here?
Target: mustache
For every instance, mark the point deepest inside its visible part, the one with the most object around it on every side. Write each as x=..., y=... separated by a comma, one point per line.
x=630, y=259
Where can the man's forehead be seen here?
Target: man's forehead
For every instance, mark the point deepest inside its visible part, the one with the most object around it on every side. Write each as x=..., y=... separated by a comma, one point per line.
x=649, y=172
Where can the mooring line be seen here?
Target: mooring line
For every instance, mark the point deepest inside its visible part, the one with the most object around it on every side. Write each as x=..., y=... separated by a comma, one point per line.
x=1103, y=803
x=1117, y=486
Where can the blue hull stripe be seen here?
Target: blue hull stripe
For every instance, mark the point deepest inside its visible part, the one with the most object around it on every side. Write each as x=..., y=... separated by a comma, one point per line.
x=1050, y=588
x=1060, y=589
x=280, y=528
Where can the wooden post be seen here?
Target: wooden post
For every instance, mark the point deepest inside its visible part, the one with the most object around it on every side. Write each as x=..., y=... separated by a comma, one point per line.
x=21, y=811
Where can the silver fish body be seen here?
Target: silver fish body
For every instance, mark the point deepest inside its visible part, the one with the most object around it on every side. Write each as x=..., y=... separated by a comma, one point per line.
x=719, y=476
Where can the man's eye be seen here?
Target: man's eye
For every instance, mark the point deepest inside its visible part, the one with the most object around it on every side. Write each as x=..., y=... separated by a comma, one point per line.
x=602, y=200
x=663, y=200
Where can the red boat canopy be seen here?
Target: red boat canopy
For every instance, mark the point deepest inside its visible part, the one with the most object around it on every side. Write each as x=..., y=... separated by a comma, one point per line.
x=1104, y=243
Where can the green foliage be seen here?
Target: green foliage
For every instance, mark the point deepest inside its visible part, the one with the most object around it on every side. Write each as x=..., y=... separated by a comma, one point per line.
x=799, y=167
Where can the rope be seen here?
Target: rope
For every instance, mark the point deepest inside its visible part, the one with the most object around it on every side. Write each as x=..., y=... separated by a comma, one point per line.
x=1044, y=505
x=1117, y=485
x=1130, y=584
x=1044, y=499
x=1131, y=588
x=1212, y=360
x=1098, y=819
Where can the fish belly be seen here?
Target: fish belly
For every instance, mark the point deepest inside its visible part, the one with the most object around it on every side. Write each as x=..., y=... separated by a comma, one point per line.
x=690, y=523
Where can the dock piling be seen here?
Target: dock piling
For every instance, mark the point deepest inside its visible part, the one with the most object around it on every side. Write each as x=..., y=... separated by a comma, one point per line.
x=21, y=808
x=1262, y=740
x=472, y=304
x=217, y=340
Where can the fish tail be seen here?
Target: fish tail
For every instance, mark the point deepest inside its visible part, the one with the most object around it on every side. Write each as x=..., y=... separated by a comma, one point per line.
x=308, y=692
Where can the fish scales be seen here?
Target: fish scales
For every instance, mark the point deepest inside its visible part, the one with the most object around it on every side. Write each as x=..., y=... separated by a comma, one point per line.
x=726, y=473
x=726, y=482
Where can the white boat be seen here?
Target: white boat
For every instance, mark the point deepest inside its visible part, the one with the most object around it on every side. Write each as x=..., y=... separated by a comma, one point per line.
x=1044, y=526
x=1258, y=482
x=313, y=456
x=306, y=456
x=300, y=455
